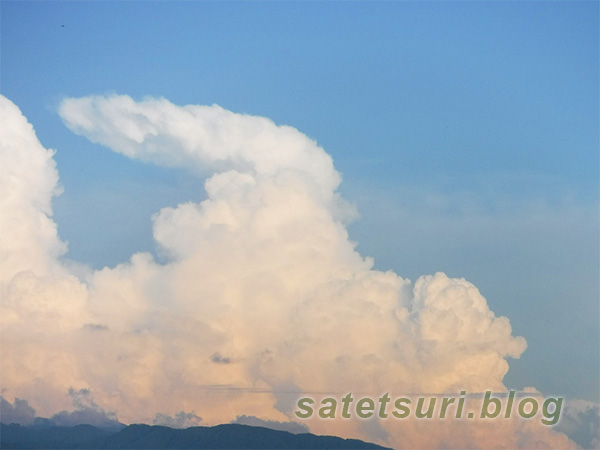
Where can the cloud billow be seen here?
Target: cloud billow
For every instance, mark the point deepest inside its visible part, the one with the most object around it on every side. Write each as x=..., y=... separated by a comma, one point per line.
x=263, y=293
x=181, y=419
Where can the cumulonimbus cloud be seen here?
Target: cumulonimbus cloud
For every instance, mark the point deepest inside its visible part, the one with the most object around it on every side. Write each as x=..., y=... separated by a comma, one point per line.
x=263, y=298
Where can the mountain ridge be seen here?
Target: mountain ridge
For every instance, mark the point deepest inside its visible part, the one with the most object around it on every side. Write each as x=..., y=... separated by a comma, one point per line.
x=142, y=436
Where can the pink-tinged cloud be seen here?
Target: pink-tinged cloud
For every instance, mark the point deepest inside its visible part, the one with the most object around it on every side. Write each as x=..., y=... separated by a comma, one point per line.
x=264, y=298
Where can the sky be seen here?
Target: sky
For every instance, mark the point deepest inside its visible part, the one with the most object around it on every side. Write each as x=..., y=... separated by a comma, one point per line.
x=465, y=136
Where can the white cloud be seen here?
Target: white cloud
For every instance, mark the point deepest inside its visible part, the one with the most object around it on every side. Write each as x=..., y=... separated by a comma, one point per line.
x=261, y=273
x=28, y=181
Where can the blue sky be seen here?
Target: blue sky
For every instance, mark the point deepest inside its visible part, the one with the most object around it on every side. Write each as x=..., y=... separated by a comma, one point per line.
x=466, y=133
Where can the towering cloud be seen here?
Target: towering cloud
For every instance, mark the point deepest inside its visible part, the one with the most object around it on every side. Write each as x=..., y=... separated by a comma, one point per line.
x=263, y=298
x=41, y=303
x=28, y=181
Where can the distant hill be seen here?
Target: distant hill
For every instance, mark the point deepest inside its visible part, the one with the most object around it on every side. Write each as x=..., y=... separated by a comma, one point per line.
x=231, y=436
x=52, y=437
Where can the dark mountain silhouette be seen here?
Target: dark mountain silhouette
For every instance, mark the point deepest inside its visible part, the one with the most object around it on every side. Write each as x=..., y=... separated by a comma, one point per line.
x=230, y=436
x=52, y=437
